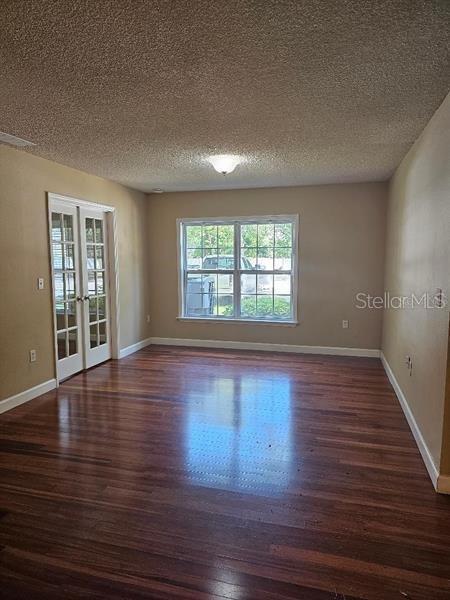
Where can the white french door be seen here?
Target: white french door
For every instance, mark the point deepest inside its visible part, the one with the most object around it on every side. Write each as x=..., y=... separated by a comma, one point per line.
x=95, y=281
x=80, y=274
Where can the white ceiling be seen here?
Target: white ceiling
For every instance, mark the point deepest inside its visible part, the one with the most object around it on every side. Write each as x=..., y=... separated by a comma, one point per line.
x=142, y=92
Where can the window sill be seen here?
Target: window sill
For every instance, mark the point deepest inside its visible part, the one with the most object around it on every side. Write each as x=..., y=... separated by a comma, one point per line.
x=234, y=321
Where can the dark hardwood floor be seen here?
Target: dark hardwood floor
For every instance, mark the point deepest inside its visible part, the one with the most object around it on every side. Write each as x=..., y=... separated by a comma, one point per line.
x=207, y=474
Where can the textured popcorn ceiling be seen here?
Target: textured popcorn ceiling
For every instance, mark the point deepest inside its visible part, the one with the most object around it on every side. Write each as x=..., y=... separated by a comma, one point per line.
x=141, y=91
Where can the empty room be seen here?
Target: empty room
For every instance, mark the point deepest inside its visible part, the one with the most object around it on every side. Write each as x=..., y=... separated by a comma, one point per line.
x=224, y=308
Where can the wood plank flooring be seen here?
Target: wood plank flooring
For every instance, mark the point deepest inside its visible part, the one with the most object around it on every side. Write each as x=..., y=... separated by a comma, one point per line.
x=182, y=473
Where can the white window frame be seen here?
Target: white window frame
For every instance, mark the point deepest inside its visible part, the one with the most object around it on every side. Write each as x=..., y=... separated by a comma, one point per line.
x=237, y=221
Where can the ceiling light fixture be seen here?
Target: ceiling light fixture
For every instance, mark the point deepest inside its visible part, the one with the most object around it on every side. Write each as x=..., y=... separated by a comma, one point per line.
x=225, y=163
x=157, y=191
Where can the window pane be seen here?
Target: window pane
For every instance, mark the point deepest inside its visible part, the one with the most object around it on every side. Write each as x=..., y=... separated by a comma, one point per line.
x=194, y=258
x=225, y=305
x=194, y=236
x=225, y=258
x=209, y=236
x=194, y=284
x=225, y=284
x=68, y=228
x=56, y=227
x=249, y=236
x=265, y=259
x=225, y=236
x=282, y=261
x=264, y=284
x=210, y=258
x=248, y=258
x=282, y=284
x=71, y=310
x=265, y=235
x=248, y=284
x=200, y=305
x=283, y=234
x=282, y=306
x=248, y=306
x=264, y=306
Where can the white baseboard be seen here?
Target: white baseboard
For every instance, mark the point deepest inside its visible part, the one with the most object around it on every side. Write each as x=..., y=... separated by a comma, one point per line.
x=27, y=395
x=433, y=471
x=134, y=347
x=331, y=350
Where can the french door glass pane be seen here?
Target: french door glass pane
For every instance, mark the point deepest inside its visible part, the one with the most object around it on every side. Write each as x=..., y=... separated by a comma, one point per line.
x=99, y=257
x=69, y=261
x=99, y=231
x=101, y=307
x=56, y=226
x=68, y=228
x=102, y=333
x=61, y=344
x=89, y=230
x=90, y=250
x=58, y=256
x=93, y=336
x=71, y=311
x=58, y=280
x=60, y=316
x=100, y=282
x=92, y=309
x=73, y=342
x=70, y=286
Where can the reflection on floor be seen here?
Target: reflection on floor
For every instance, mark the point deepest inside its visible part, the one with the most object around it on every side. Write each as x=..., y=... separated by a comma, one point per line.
x=238, y=433
x=181, y=473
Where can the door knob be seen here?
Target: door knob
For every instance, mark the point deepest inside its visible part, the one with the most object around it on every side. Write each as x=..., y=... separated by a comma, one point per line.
x=86, y=298
x=79, y=299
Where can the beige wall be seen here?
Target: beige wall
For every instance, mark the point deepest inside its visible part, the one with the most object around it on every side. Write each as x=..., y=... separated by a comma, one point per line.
x=25, y=312
x=418, y=260
x=341, y=252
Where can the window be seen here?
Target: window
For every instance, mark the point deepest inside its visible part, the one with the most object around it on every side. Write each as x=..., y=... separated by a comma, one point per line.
x=241, y=269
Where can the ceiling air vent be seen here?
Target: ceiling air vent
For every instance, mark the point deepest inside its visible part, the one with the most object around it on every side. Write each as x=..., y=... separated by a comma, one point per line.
x=6, y=138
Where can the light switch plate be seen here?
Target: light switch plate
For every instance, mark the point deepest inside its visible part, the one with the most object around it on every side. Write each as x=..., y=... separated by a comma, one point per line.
x=40, y=283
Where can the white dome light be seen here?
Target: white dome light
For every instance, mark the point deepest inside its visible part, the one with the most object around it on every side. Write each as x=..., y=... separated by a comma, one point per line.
x=224, y=163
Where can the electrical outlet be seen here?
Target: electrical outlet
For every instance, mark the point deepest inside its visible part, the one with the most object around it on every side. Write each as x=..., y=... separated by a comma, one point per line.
x=40, y=283
x=345, y=324
x=32, y=356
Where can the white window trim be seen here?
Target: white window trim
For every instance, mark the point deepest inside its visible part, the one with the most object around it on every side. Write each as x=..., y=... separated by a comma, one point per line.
x=181, y=253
